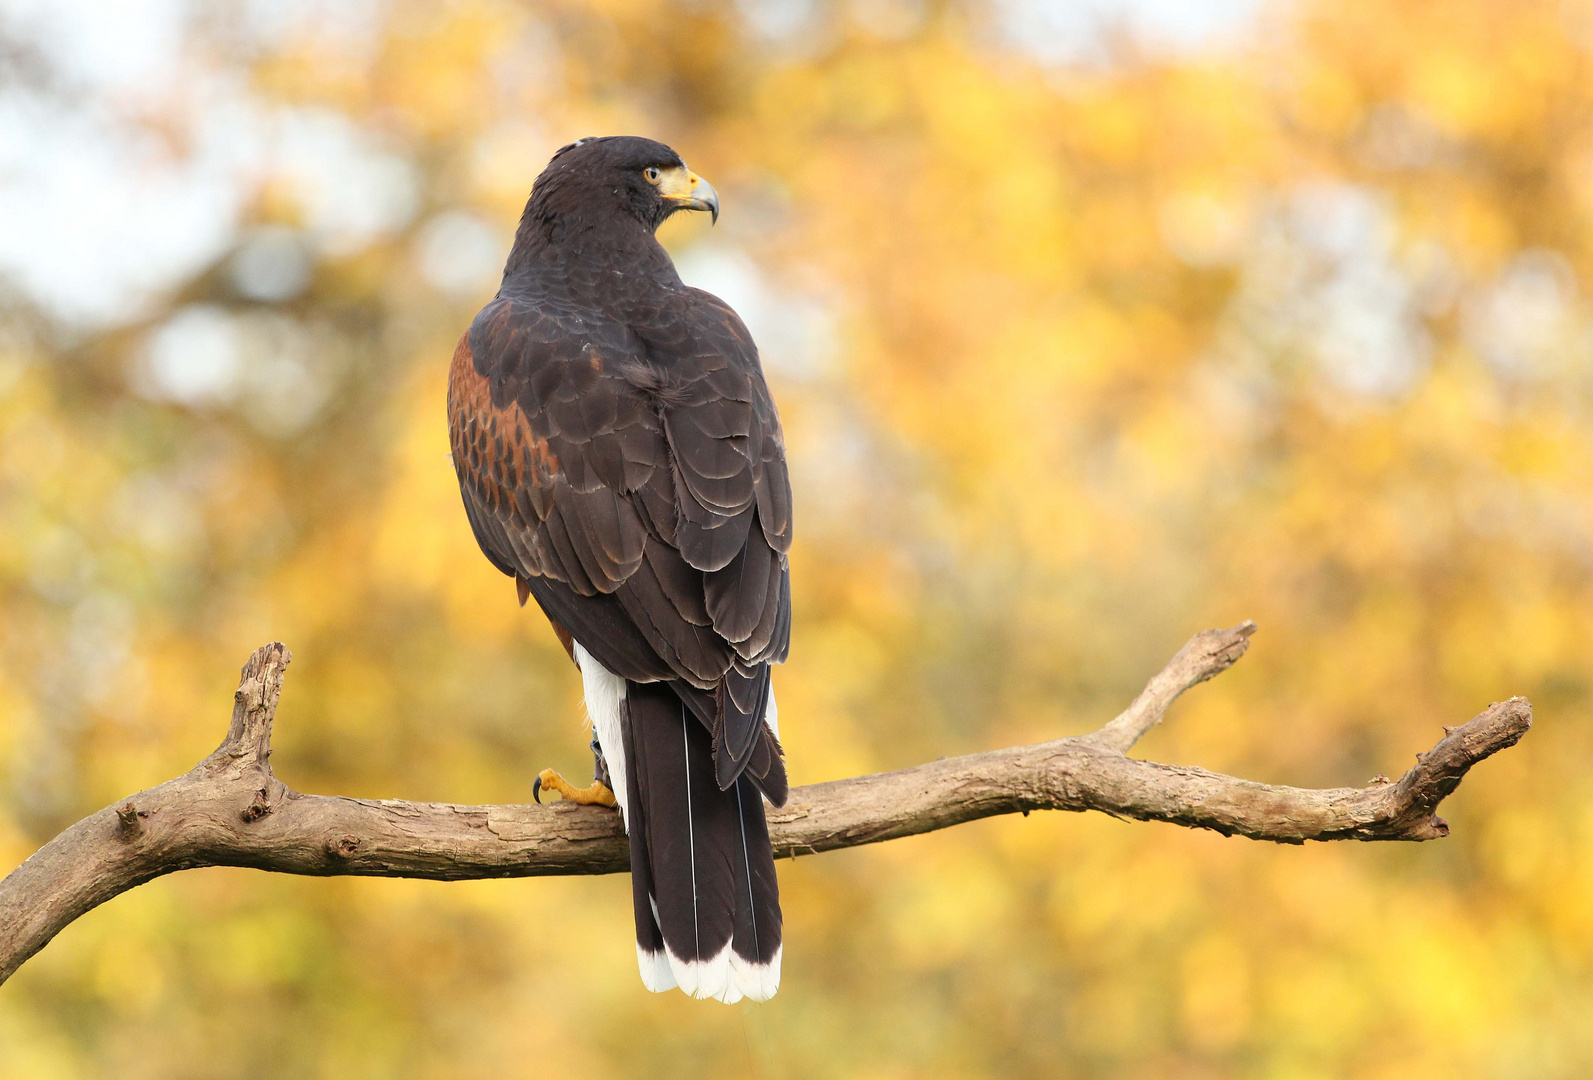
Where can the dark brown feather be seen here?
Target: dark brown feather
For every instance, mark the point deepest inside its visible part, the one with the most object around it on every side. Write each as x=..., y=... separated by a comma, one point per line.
x=738, y=594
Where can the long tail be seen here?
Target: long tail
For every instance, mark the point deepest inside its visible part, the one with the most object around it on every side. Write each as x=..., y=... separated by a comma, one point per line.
x=702, y=874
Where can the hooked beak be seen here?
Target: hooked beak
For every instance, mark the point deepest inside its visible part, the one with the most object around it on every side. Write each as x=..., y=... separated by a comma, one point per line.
x=689, y=191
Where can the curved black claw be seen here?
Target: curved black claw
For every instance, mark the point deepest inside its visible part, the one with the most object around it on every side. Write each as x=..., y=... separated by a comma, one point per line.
x=536, y=791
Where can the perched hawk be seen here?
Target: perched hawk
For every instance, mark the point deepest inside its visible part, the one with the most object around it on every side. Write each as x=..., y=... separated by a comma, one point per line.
x=620, y=456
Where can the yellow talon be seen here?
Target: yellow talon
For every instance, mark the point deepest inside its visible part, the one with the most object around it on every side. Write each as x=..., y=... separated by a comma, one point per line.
x=549, y=780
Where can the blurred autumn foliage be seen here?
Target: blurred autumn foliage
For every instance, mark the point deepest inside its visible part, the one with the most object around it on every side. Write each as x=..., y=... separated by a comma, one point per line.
x=1077, y=354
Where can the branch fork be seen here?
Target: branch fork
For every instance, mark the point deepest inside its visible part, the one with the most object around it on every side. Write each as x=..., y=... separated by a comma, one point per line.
x=231, y=810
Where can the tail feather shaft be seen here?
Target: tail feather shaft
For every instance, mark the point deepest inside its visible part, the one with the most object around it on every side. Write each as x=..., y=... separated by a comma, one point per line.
x=704, y=889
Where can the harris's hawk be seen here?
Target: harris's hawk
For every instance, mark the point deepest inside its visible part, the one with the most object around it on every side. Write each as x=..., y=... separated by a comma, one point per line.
x=621, y=458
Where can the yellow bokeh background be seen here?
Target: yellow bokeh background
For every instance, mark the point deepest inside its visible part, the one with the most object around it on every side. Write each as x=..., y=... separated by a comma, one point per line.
x=1076, y=355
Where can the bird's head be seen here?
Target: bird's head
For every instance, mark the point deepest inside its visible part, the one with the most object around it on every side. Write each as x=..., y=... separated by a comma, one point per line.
x=623, y=175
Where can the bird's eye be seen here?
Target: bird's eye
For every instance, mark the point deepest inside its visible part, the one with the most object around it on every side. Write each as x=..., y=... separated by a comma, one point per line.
x=653, y=174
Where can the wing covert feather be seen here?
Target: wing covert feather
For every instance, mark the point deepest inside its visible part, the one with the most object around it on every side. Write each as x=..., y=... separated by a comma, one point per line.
x=630, y=471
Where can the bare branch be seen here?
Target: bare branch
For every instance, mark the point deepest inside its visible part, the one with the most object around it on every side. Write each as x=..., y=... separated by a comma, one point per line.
x=230, y=810
x=1208, y=653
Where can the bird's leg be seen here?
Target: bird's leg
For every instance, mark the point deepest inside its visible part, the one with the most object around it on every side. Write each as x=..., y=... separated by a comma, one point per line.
x=599, y=792
x=600, y=765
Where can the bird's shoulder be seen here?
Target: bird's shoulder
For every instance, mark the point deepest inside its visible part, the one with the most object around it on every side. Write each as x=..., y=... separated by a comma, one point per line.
x=531, y=349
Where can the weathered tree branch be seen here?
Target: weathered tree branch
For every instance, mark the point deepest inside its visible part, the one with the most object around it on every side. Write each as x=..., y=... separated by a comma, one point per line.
x=230, y=810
